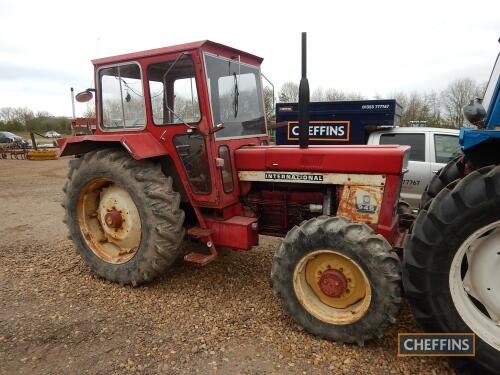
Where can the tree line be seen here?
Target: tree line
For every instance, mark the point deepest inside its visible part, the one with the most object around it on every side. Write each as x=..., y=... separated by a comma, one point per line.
x=22, y=119
x=436, y=109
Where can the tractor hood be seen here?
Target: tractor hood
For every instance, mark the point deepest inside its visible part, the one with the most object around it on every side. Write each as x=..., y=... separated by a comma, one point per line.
x=359, y=159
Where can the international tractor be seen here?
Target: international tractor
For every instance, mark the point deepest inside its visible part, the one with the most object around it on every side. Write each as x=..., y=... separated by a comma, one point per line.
x=181, y=150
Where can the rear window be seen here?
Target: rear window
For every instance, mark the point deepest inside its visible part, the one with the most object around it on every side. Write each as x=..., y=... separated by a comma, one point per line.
x=416, y=141
x=122, y=99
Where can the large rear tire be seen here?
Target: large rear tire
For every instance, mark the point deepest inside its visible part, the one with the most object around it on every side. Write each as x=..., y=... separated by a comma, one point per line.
x=123, y=216
x=454, y=170
x=451, y=270
x=337, y=279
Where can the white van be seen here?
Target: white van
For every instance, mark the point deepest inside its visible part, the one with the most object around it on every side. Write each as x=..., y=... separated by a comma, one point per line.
x=431, y=149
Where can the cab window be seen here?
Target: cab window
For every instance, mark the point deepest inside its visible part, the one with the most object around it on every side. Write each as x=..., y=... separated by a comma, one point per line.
x=122, y=98
x=172, y=88
x=416, y=141
x=236, y=97
x=446, y=147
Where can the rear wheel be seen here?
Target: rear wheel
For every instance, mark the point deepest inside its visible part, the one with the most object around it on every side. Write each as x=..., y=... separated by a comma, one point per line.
x=337, y=279
x=123, y=216
x=454, y=170
x=452, y=265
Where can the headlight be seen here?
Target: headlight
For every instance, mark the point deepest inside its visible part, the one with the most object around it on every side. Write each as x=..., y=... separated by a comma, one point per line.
x=406, y=159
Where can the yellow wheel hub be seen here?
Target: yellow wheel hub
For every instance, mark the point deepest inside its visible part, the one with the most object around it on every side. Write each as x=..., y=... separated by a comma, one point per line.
x=332, y=287
x=352, y=284
x=109, y=221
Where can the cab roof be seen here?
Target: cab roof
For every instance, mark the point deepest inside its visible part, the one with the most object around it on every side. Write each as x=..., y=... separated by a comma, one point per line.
x=203, y=44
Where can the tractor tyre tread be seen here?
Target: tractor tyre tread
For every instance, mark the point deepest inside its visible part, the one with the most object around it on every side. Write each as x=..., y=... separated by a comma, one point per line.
x=439, y=230
x=162, y=220
x=359, y=242
x=451, y=172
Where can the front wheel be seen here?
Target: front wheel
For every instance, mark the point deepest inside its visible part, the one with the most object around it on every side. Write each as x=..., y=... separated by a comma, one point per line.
x=337, y=279
x=452, y=265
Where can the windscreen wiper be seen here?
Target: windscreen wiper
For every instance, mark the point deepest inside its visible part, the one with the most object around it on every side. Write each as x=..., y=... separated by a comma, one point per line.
x=236, y=96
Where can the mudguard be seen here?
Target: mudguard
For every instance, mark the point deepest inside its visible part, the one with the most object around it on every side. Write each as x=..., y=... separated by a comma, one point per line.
x=140, y=146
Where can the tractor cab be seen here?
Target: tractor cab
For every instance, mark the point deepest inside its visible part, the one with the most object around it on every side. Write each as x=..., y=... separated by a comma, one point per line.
x=195, y=102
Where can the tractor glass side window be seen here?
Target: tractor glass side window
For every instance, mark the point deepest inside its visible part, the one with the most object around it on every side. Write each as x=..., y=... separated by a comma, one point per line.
x=122, y=98
x=446, y=147
x=416, y=141
x=226, y=170
x=235, y=97
x=174, y=98
x=193, y=154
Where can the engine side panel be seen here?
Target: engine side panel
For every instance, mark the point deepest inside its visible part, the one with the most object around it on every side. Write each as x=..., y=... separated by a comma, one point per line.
x=387, y=159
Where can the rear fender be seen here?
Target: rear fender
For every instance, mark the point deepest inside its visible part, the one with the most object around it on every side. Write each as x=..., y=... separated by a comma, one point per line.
x=484, y=153
x=140, y=146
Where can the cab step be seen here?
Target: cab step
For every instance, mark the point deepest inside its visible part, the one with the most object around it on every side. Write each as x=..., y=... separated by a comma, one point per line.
x=199, y=232
x=199, y=258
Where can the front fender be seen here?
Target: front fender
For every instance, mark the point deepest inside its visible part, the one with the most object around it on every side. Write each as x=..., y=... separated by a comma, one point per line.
x=140, y=146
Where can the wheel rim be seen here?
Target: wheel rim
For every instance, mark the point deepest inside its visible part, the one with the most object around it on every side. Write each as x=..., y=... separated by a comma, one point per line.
x=332, y=287
x=109, y=221
x=475, y=283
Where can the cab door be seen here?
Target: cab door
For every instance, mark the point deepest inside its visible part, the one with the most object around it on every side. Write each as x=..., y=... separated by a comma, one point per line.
x=234, y=88
x=174, y=84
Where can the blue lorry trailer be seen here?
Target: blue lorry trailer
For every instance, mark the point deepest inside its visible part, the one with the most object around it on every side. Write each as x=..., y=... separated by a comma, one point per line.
x=336, y=123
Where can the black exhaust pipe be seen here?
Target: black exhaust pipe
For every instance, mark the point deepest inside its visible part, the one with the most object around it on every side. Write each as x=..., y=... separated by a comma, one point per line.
x=304, y=99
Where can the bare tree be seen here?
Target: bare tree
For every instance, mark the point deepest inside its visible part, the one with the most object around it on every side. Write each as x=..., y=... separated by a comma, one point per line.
x=337, y=95
x=43, y=114
x=434, y=105
x=20, y=115
x=269, y=103
x=90, y=110
x=456, y=96
x=23, y=115
x=331, y=95
x=318, y=95
x=289, y=92
x=7, y=114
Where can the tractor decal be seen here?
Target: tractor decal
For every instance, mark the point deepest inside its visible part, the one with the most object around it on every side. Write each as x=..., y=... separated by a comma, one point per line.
x=313, y=178
x=361, y=202
x=293, y=176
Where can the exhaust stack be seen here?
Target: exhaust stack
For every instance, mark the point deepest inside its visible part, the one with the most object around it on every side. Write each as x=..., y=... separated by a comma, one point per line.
x=304, y=98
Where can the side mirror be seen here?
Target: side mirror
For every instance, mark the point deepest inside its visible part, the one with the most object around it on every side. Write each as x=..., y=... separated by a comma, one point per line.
x=474, y=112
x=84, y=96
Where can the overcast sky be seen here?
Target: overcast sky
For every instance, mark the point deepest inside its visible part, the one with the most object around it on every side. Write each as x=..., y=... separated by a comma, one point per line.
x=371, y=47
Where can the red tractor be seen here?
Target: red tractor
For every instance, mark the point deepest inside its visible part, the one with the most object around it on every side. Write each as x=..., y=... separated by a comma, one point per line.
x=181, y=149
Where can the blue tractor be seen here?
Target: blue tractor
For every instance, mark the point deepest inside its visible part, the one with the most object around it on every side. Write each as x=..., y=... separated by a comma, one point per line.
x=451, y=270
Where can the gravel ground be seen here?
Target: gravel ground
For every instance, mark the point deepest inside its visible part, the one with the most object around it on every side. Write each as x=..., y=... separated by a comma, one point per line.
x=57, y=318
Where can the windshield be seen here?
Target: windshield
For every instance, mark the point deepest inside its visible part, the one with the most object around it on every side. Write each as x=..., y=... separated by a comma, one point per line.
x=236, y=97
